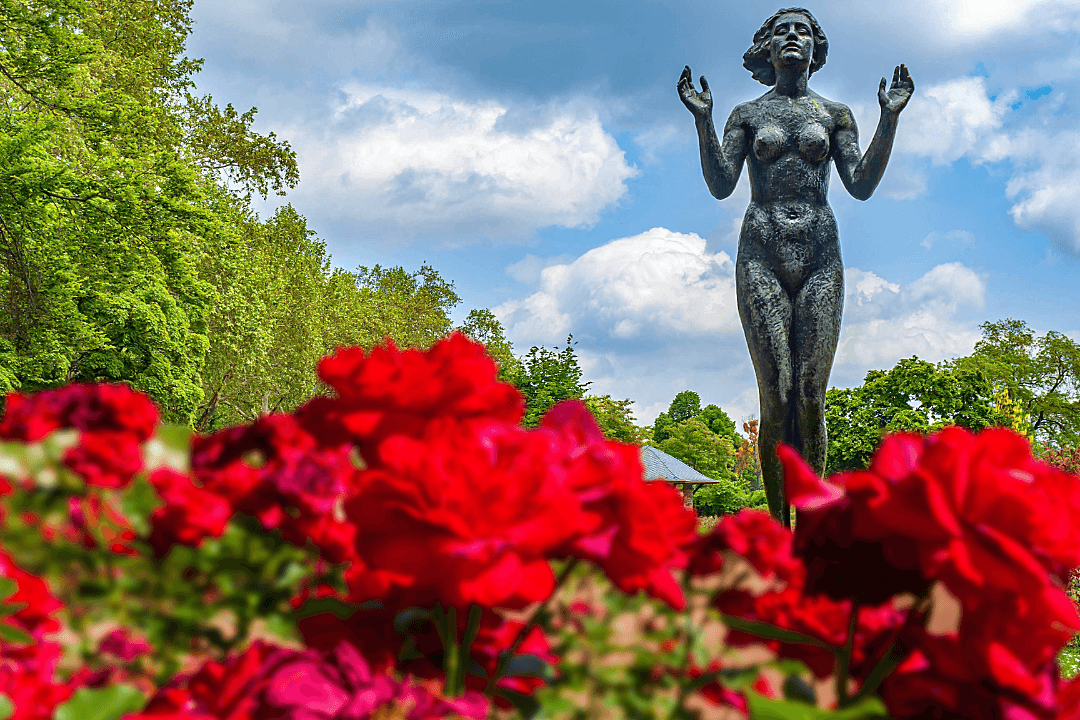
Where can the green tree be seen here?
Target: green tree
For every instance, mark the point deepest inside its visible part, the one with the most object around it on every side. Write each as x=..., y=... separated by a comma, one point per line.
x=686, y=405
x=718, y=421
x=661, y=427
x=483, y=327
x=914, y=396
x=699, y=447
x=723, y=498
x=1041, y=374
x=107, y=197
x=282, y=306
x=616, y=419
x=547, y=377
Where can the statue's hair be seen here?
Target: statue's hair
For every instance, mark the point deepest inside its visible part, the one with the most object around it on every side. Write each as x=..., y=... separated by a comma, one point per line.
x=758, y=59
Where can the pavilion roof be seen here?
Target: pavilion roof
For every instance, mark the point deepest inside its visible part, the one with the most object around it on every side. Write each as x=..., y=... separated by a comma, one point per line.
x=661, y=466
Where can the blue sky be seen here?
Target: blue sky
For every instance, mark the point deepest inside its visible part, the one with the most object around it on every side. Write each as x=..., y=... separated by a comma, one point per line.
x=537, y=155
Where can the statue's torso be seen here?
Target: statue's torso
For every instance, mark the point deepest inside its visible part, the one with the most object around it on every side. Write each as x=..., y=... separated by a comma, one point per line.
x=789, y=224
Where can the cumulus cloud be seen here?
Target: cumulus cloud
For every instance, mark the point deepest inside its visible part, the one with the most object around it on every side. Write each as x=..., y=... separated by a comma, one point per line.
x=418, y=162
x=660, y=282
x=886, y=321
x=952, y=120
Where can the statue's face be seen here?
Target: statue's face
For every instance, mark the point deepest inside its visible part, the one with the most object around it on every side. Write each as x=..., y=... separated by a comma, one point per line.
x=792, y=40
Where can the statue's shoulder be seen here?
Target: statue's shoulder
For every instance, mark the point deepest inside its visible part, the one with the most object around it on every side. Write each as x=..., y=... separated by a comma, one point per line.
x=745, y=112
x=840, y=112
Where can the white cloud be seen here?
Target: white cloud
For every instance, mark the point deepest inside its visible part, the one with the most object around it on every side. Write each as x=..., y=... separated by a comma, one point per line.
x=657, y=283
x=885, y=321
x=978, y=19
x=1045, y=189
x=656, y=139
x=417, y=162
x=950, y=120
x=527, y=270
x=961, y=236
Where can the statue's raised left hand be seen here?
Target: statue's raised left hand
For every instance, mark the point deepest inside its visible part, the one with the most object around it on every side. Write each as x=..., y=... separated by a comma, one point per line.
x=896, y=97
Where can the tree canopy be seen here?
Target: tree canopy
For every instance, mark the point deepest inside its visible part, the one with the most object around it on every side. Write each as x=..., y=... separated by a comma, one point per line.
x=1041, y=374
x=546, y=377
x=914, y=396
x=129, y=251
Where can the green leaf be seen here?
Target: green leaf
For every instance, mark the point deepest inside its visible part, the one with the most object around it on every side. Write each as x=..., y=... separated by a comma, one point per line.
x=763, y=708
x=340, y=608
x=8, y=587
x=109, y=703
x=411, y=620
x=12, y=634
x=796, y=688
x=771, y=632
x=170, y=448
x=139, y=501
x=12, y=608
x=13, y=460
x=7, y=708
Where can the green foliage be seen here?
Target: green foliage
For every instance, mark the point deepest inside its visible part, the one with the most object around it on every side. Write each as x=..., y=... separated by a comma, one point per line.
x=718, y=421
x=686, y=405
x=483, y=327
x=699, y=447
x=1041, y=374
x=661, y=427
x=128, y=248
x=723, y=498
x=107, y=703
x=616, y=419
x=915, y=396
x=280, y=307
x=547, y=377
x=106, y=197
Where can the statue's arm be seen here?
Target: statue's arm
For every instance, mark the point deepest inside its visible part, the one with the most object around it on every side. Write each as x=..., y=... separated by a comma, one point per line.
x=722, y=162
x=862, y=173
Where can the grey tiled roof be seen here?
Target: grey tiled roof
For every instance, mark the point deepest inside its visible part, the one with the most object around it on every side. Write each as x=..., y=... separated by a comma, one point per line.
x=661, y=466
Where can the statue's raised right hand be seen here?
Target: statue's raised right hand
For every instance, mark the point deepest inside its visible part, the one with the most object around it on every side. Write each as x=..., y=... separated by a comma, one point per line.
x=699, y=103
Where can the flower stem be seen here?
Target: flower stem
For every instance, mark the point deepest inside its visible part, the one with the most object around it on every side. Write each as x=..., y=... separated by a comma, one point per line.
x=533, y=621
x=843, y=662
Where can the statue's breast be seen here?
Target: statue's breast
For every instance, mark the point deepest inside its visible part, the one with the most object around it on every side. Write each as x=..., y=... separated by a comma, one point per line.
x=769, y=143
x=810, y=138
x=813, y=142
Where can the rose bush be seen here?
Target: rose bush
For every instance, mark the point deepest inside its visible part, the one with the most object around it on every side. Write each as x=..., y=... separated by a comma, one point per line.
x=402, y=548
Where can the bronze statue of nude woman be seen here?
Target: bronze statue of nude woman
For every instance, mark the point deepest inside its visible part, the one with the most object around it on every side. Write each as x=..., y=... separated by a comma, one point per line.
x=788, y=276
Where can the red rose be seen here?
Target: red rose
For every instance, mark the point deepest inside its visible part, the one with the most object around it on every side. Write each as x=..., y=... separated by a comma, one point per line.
x=93, y=408
x=468, y=514
x=398, y=392
x=373, y=630
x=975, y=510
x=34, y=696
x=106, y=459
x=751, y=534
x=767, y=546
x=190, y=513
x=275, y=471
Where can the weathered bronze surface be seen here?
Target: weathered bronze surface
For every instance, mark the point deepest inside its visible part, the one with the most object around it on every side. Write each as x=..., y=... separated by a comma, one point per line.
x=789, y=277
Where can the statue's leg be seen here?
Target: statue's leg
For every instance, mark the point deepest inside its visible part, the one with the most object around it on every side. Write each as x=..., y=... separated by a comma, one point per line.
x=816, y=330
x=766, y=310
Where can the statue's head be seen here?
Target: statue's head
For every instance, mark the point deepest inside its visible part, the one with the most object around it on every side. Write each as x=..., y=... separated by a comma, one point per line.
x=775, y=42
